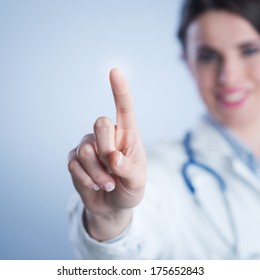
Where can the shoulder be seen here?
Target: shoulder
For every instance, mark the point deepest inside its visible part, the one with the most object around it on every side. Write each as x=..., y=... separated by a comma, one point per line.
x=207, y=144
x=166, y=155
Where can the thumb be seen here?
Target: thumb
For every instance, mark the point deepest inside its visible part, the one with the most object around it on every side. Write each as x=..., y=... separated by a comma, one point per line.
x=131, y=174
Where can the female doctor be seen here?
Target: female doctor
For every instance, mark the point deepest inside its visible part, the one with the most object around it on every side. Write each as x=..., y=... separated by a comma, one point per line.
x=195, y=199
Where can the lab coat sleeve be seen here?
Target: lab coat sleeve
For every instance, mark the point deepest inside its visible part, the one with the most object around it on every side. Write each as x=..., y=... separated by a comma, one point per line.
x=138, y=241
x=88, y=248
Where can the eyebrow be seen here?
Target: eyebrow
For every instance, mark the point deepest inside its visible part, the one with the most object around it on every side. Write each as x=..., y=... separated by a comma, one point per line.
x=206, y=48
x=242, y=45
x=249, y=44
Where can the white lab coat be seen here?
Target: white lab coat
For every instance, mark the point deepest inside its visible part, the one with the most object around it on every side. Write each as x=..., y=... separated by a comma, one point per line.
x=168, y=224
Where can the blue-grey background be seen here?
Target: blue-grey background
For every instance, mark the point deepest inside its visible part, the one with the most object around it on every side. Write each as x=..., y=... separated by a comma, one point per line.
x=54, y=63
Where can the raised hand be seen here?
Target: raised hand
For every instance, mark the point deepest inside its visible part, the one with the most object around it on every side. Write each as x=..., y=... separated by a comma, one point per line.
x=108, y=167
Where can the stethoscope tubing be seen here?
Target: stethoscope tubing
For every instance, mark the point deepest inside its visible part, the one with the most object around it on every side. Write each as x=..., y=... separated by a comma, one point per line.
x=191, y=161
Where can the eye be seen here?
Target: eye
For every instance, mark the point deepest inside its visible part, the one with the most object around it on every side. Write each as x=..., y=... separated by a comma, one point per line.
x=250, y=51
x=207, y=57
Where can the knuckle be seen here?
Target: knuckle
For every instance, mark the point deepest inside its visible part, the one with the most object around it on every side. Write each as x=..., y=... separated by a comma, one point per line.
x=88, y=138
x=125, y=110
x=72, y=166
x=103, y=122
x=85, y=151
x=71, y=155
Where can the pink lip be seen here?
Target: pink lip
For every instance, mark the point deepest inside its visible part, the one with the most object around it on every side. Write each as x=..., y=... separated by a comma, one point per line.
x=235, y=104
x=229, y=90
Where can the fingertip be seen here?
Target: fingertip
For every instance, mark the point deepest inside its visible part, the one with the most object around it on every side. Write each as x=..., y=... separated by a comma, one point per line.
x=120, y=160
x=95, y=187
x=116, y=77
x=115, y=70
x=109, y=187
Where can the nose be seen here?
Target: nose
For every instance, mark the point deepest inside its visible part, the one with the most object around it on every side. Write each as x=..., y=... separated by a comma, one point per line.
x=230, y=72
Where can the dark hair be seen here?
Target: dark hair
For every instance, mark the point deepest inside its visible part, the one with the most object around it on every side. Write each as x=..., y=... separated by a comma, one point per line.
x=249, y=9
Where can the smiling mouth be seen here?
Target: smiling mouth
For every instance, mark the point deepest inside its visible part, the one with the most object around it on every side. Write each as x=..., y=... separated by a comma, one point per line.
x=232, y=98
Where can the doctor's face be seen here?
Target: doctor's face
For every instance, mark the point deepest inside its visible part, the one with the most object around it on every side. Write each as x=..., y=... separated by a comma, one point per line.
x=223, y=53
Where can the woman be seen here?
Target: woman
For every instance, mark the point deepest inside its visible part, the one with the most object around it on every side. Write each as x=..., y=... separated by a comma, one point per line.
x=202, y=196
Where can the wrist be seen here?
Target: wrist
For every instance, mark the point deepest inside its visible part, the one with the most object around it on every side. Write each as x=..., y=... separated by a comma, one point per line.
x=106, y=226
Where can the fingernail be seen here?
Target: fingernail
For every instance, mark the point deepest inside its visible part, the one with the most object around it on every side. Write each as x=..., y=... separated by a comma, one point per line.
x=95, y=187
x=109, y=186
x=120, y=160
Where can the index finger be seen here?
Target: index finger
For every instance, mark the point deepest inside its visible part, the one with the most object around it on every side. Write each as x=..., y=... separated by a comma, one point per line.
x=123, y=100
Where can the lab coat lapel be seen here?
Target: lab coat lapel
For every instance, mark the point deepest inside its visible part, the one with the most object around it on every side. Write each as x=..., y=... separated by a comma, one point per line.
x=243, y=172
x=217, y=150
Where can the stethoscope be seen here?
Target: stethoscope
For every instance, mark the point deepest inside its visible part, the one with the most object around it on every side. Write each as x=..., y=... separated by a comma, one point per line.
x=191, y=161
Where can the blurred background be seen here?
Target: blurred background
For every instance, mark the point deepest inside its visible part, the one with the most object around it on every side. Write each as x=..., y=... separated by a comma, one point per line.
x=55, y=58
